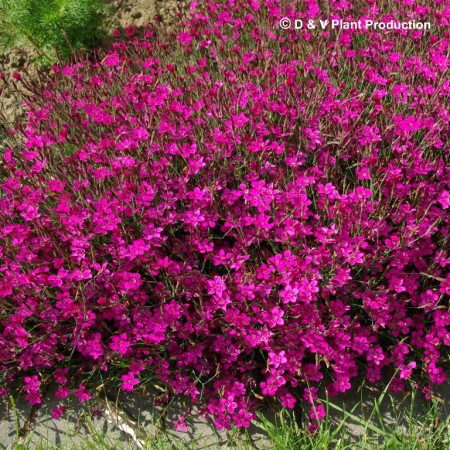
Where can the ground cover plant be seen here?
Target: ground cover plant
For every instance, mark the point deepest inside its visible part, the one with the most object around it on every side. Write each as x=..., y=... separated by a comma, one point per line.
x=236, y=211
x=62, y=25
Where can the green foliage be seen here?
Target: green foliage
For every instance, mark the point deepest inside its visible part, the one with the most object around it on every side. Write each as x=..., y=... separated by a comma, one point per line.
x=50, y=25
x=389, y=424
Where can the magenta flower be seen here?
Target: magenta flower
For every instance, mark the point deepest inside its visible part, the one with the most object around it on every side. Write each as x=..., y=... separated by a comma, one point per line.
x=406, y=125
x=58, y=411
x=180, y=424
x=317, y=412
x=129, y=381
x=185, y=38
x=112, y=60
x=120, y=343
x=444, y=199
x=62, y=392
x=82, y=394
x=217, y=286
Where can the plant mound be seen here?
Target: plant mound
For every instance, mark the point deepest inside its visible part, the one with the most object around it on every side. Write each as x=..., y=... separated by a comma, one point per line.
x=237, y=211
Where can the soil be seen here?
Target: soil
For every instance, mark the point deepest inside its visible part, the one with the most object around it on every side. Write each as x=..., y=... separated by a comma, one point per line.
x=141, y=12
x=127, y=12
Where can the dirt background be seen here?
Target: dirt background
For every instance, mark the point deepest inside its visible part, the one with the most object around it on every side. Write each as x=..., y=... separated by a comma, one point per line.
x=127, y=12
x=141, y=12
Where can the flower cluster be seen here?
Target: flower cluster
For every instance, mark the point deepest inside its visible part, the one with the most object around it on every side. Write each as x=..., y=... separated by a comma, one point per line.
x=240, y=210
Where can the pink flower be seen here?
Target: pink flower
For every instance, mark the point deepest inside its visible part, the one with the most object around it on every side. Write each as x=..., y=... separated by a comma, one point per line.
x=239, y=120
x=136, y=366
x=60, y=375
x=139, y=134
x=406, y=125
x=185, y=38
x=290, y=293
x=369, y=135
x=82, y=394
x=120, y=343
x=444, y=199
x=406, y=370
x=58, y=411
x=34, y=398
x=217, y=286
x=288, y=401
x=112, y=60
x=56, y=185
x=317, y=412
x=129, y=381
x=262, y=221
x=29, y=212
x=62, y=392
x=31, y=387
x=31, y=383
x=272, y=384
x=274, y=317
x=194, y=218
x=277, y=359
x=396, y=284
x=180, y=424
x=395, y=57
x=129, y=282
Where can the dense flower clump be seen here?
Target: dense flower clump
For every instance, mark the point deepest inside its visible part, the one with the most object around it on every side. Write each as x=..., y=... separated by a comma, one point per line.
x=239, y=211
